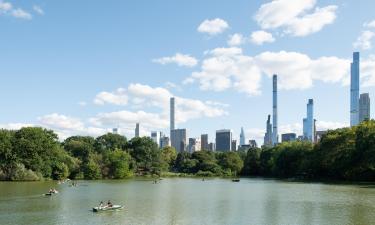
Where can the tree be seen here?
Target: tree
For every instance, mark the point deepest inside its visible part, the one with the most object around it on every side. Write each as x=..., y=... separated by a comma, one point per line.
x=8, y=158
x=252, y=162
x=146, y=154
x=117, y=164
x=169, y=156
x=231, y=161
x=34, y=147
x=110, y=142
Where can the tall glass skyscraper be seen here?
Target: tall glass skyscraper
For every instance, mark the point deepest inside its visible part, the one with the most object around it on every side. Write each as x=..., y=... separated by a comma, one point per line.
x=242, y=137
x=364, y=107
x=308, y=122
x=275, y=135
x=171, y=114
x=223, y=140
x=354, y=90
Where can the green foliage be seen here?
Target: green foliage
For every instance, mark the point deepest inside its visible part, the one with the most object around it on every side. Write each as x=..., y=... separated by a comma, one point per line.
x=110, y=142
x=252, y=163
x=116, y=164
x=169, y=156
x=146, y=154
x=231, y=161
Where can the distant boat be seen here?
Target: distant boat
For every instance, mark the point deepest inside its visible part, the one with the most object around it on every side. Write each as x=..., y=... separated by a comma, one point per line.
x=235, y=180
x=104, y=209
x=51, y=193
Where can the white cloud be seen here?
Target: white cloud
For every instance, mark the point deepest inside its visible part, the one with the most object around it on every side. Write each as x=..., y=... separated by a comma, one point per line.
x=213, y=27
x=21, y=14
x=236, y=39
x=82, y=103
x=59, y=121
x=118, y=97
x=5, y=7
x=229, y=68
x=295, y=17
x=179, y=59
x=368, y=72
x=370, y=24
x=364, y=40
x=259, y=37
x=38, y=10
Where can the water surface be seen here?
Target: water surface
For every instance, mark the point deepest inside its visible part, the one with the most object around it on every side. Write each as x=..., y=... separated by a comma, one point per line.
x=188, y=201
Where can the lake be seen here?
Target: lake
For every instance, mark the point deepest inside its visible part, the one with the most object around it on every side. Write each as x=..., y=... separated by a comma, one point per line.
x=188, y=201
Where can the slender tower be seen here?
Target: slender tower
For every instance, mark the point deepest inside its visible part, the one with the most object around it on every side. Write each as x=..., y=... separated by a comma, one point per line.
x=354, y=90
x=136, y=130
x=274, y=100
x=242, y=137
x=171, y=114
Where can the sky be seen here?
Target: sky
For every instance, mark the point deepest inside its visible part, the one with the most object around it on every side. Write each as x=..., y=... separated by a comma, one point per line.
x=84, y=67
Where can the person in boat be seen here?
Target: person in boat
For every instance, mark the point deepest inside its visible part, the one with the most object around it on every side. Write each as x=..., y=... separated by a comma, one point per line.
x=101, y=205
x=109, y=204
x=50, y=191
x=54, y=191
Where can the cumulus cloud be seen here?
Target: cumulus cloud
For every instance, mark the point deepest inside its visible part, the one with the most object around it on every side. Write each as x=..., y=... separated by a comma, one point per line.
x=21, y=14
x=364, y=40
x=213, y=27
x=229, y=68
x=297, y=18
x=118, y=97
x=5, y=7
x=142, y=96
x=38, y=10
x=370, y=24
x=226, y=68
x=259, y=37
x=59, y=121
x=236, y=39
x=179, y=59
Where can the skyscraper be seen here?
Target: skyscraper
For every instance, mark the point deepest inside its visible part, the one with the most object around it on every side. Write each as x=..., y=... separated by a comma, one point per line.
x=308, y=122
x=155, y=136
x=194, y=145
x=234, y=145
x=171, y=105
x=364, y=107
x=223, y=140
x=115, y=130
x=288, y=137
x=354, y=90
x=268, y=134
x=179, y=139
x=204, y=142
x=137, y=130
x=242, y=137
x=275, y=136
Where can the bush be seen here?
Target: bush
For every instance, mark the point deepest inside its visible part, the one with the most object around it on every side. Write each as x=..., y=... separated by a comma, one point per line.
x=20, y=173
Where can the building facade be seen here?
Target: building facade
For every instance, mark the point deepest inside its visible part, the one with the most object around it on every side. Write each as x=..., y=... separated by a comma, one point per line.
x=268, y=135
x=204, y=141
x=354, y=90
x=364, y=107
x=155, y=136
x=136, y=130
x=242, y=137
x=234, y=145
x=223, y=140
x=275, y=135
x=288, y=137
x=194, y=145
x=309, y=123
x=211, y=146
x=179, y=139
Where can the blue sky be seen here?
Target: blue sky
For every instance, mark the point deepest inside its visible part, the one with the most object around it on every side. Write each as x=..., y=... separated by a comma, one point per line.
x=83, y=67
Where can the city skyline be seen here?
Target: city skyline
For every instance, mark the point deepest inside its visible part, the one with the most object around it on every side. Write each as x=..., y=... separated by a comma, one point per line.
x=114, y=76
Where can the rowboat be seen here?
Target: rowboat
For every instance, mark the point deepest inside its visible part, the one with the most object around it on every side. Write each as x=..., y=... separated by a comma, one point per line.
x=107, y=208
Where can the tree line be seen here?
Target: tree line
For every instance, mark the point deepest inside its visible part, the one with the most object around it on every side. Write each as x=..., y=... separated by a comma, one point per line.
x=34, y=153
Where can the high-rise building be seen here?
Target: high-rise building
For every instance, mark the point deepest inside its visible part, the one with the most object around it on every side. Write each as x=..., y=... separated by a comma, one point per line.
x=364, y=107
x=115, y=130
x=253, y=144
x=164, y=141
x=179, y=139
x=275, y=136
x=308, y=122
x=242, y=137
x=354, y=90
x=234, y=145
x=268, y=134
x=288, y=137
x=155, y=136
x=211, y=146
x=171, y=105
x=223, y=140
x=137, y=130
x=204, y=141
x=194, y=145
